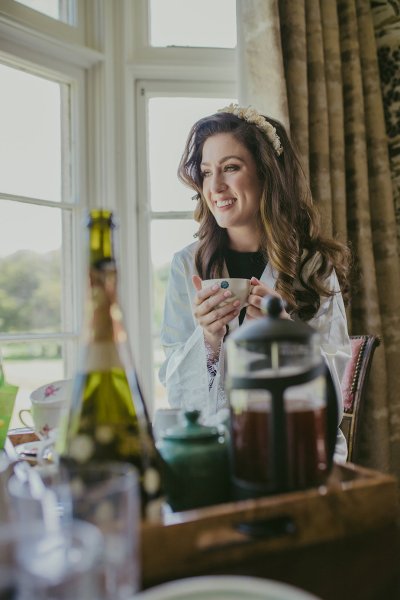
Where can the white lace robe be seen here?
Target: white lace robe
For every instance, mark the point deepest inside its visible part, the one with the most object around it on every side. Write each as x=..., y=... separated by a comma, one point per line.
x=184, y=372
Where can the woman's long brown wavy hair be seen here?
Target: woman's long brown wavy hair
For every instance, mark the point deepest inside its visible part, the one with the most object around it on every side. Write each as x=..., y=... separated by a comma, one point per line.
x=290, y=223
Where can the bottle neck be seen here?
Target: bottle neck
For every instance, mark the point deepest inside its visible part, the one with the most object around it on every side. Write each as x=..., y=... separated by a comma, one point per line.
x=105, y=318
x=101, y=240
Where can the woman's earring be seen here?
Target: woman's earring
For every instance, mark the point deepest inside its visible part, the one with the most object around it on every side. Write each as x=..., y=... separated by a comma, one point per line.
x=196, y=197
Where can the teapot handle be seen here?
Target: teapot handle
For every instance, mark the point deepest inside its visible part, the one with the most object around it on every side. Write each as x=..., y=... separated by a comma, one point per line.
x=332, y=412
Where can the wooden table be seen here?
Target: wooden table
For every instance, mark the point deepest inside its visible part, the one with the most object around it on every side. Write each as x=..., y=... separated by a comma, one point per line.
x=341, y=542
x=363, y=567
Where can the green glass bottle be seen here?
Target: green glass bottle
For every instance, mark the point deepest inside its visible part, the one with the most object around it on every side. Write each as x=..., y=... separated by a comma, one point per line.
x=108, y=419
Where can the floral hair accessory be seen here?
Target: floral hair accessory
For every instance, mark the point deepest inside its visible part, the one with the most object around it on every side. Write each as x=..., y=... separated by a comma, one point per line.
x=251, y=115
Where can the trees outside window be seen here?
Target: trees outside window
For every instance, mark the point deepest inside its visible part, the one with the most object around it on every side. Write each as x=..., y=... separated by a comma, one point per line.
x=94, y=112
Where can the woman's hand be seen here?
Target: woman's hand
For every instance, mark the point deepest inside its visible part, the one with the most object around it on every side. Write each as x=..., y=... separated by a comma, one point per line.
x=211, y=317
x=258, y=292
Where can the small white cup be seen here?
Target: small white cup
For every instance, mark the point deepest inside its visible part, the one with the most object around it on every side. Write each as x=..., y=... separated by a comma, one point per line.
x=47, y=404
x=240, y=288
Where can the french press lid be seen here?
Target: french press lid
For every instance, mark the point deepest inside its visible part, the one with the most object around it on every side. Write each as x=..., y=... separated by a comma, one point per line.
x=272, y=328
x=286, y=345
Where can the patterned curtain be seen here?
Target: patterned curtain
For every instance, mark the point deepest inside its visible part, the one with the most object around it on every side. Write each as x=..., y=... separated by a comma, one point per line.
x=386, y=17
x=330, y=81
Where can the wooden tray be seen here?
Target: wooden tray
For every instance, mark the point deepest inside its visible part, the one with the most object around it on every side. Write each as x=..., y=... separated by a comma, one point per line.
x=339, y=541
x=223, y=538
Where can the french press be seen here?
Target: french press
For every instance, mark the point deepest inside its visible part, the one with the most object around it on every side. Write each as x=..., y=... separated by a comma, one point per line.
x=283, y=404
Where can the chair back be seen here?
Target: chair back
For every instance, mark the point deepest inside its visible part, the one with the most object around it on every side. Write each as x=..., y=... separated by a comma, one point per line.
x=354, y=386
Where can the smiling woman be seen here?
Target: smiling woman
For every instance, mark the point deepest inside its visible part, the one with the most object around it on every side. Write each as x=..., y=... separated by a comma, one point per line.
x=257, y=221
x=232, y=189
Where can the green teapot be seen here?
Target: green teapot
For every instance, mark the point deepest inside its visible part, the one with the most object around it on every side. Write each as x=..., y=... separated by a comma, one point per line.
x=196, y=464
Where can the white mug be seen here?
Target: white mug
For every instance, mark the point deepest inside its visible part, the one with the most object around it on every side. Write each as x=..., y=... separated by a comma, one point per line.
x=240, y=288
x=47, y=404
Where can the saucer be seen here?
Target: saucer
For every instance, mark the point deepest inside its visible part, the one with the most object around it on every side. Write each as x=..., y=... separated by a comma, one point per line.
x=30, y=450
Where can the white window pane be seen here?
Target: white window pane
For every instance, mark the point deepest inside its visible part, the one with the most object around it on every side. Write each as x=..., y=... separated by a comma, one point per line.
x=62, y=10
x=170, y=120
x=208, y=23
x=30, y=141
x=167, y=237
x=31, y=283
x=28, y=227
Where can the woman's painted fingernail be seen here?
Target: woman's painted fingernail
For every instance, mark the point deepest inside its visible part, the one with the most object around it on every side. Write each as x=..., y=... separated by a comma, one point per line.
x=215, y=287
x=227, y=294
x=236, y=303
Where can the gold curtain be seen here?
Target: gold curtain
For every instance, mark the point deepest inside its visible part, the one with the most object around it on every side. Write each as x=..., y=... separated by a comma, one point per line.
x=386, y=17
x=337, y=121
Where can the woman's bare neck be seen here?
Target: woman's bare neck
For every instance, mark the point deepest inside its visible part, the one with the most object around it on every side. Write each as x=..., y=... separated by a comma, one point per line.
x=246, y=241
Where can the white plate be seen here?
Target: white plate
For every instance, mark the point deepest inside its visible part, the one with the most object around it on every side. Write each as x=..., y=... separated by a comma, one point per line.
x=224, y=587
x=29, y=450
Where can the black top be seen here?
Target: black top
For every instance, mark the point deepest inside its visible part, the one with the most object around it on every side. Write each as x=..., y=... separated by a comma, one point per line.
x=246, y=265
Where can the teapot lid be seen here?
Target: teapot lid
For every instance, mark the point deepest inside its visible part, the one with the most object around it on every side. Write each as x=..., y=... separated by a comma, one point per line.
x=191, y=430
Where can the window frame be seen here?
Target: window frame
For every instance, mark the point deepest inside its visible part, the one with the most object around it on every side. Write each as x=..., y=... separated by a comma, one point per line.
x=191, y=71
x=26, y=17
x=80, y=45
x=198, y=57
x=83, y=70
x=111, y=54
x=71, y=252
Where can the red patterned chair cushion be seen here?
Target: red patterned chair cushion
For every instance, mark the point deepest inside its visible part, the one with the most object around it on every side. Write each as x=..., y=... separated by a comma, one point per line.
x=350, y=377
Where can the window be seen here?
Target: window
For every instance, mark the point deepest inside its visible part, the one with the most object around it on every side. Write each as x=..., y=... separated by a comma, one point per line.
x=41, y=196
x=63, y=10
x=62, y=21
x=31, y=110
x=170, y=218
x=192, y=23
x=188, y=83
x=93, y=114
